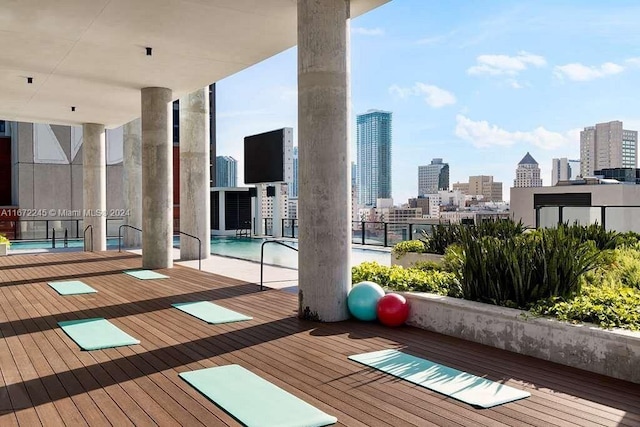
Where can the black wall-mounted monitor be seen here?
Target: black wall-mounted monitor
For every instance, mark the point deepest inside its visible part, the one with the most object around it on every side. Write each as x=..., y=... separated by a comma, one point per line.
x=264, y=157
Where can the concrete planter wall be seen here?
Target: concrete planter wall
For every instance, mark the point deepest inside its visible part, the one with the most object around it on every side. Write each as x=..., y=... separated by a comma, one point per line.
x=3, y=249
x=408, y=259
x=615, y=353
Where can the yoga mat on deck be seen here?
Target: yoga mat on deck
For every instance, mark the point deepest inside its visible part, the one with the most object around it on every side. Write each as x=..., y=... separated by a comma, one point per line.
x=210, y=312
x=451, y=382
x=96, y=333
x=146, y=274
x=72, y=287
x=254, y=401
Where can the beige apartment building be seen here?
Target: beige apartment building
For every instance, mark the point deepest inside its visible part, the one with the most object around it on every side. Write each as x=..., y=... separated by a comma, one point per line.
x=481, y=185
x=607, y=145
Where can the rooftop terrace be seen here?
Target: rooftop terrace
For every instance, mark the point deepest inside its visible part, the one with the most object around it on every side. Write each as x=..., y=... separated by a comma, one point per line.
x=47, y=380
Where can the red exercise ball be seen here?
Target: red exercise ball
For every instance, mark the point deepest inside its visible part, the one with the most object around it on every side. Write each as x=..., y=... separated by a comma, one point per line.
x=393, y=310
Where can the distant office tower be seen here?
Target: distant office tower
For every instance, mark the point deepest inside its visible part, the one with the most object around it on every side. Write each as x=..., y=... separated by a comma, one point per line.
x=528, y=173
x=354, y=174
x=560, y=170
x=293, y=185
x=481, y=185
x=433, y=177
x=607, y=145
x=226, y=171
x=374, y=156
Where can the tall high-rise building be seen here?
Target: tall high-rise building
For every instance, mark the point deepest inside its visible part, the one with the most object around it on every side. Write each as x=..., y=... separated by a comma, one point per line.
x=374, y=156
x=293, y=185
x=607, y=145
x=528, y=173
x=226, y=171
x=433, y=177
x=481, y=185
x=560, y=170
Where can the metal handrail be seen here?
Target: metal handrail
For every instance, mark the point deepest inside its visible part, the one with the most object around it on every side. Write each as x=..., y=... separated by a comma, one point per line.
x=199, y=248
x=84, y=237
x=262, y=257
x=120, y=234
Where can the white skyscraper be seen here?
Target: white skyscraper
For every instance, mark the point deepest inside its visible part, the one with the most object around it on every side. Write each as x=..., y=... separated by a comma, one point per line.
x=433, y=177
x=528, y=173
x=560, y=170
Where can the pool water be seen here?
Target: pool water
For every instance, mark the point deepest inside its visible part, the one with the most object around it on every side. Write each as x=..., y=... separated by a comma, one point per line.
x=47, y=244
x=236, y=247
x=249, y=249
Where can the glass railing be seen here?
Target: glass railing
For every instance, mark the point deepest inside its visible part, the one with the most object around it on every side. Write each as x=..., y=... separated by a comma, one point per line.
x=48, y=229
x=614, y=218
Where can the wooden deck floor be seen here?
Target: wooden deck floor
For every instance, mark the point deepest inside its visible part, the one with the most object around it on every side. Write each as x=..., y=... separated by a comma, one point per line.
x=46, y=379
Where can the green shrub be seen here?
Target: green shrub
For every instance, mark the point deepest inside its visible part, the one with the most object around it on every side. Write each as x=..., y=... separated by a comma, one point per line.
x=402, y=248
x=519, y=271
x=442, y=235
x=429, y=265
x=3, y=239
x=404, y=279
x=602, y=238
x=607, y=307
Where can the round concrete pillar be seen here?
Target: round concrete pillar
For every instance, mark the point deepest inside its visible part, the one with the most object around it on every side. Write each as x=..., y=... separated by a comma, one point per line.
x=195, y=193
x=157, y=178
x=132, y=183
x=324, y=163
x=94, y=184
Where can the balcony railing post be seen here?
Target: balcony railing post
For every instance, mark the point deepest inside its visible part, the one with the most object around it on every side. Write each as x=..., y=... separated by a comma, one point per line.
x=385, y=234
x=46, y=227
x=410, y=231
x=603, y=216
x=363, y=224
x=560, y=216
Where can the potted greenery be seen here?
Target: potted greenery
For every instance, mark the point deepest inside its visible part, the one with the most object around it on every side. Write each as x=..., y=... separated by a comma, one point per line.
x=4, y=245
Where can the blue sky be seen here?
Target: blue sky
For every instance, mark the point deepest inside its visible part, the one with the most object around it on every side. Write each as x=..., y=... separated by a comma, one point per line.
x=477, y=83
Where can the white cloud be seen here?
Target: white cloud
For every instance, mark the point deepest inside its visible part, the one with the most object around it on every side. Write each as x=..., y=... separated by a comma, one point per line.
x=582, y=73
x=634, y=61
x=433, y=95
x=496, y=65
x=368, y=31
x=483, y=135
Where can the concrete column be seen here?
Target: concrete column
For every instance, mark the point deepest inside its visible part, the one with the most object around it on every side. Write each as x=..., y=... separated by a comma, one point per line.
x=259, y=221
x=222, y=221
x=277, y=211
x=324, y=161
x=94, y=184
x=132, y=183
x=157, y=178
x=195, y=193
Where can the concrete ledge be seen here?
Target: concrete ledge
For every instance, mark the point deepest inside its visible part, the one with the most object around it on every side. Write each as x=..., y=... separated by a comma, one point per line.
x=615, y=353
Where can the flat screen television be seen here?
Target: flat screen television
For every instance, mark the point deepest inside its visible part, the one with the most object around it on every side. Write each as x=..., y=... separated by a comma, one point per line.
x=265, y=155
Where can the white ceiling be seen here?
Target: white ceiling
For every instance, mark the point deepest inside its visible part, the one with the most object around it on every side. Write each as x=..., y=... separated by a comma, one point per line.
x=91, y=53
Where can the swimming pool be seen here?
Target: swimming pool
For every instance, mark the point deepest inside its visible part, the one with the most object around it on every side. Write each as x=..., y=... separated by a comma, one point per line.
x=236, y=247
x=249, y=249
x=112, y=243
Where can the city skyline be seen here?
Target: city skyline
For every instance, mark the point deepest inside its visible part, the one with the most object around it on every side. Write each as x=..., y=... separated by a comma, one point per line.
x=476, y=84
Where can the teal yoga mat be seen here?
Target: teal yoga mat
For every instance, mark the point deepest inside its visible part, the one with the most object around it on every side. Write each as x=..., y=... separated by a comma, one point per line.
x=451, y=382
x=254, y=401
x=97, y=333
x=72, y=287
x=210, y=312
x=146, y=274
